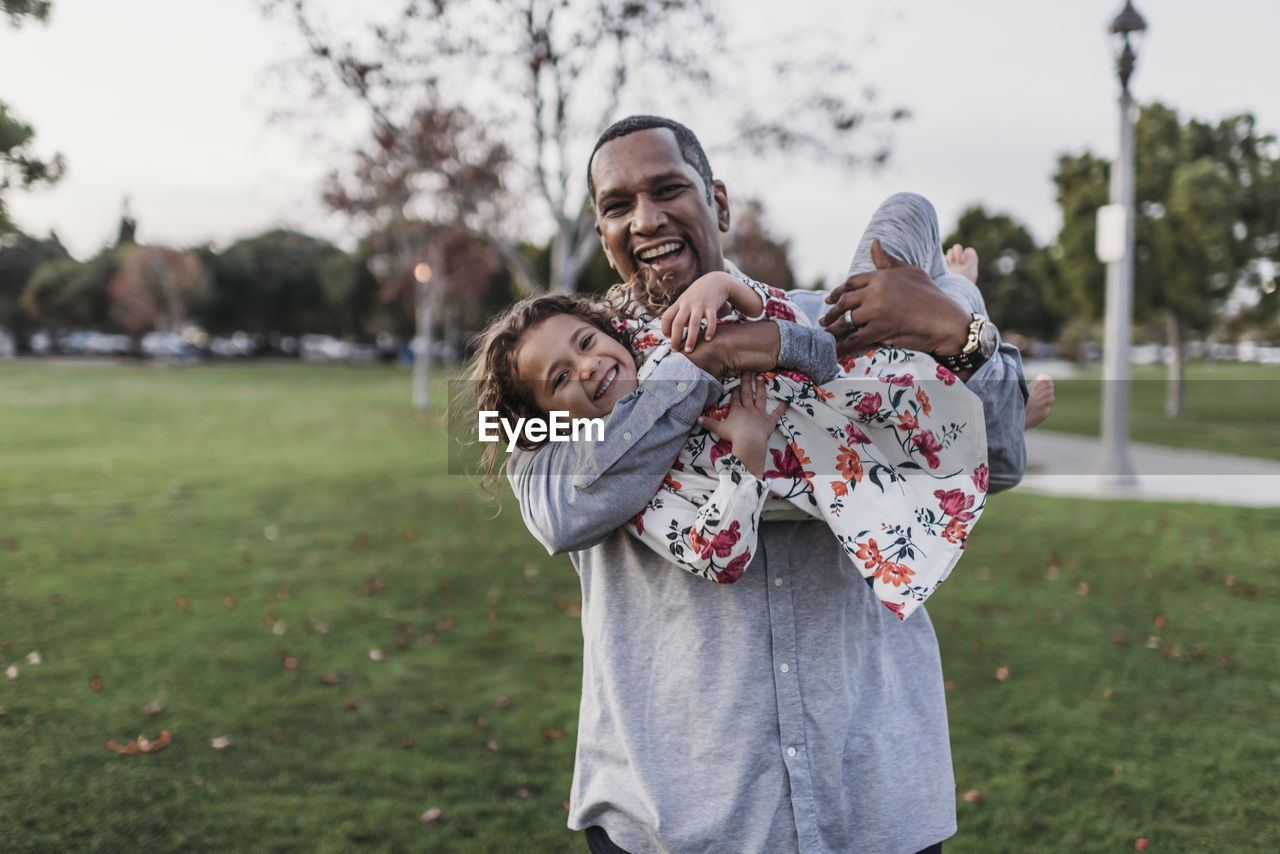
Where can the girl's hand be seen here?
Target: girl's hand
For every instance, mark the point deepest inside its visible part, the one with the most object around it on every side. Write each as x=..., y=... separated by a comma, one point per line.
x=749, y=422
x=700, y=303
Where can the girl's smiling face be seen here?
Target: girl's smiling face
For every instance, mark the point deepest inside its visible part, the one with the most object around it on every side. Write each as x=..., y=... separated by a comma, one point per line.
x=569, y=365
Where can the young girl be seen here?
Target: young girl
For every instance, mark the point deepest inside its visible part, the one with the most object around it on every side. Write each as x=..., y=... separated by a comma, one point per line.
x=897, y=472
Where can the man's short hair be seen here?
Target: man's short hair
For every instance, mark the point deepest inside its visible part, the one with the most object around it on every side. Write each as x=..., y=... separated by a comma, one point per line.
x=690, y=149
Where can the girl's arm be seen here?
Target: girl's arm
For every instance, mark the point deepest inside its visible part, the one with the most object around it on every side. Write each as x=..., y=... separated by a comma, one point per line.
x=716, y=540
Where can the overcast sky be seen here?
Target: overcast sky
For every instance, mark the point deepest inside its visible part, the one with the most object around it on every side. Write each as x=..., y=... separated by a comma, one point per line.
x=168, y=102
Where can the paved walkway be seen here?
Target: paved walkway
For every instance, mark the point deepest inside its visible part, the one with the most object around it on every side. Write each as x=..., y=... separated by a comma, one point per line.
x=1063, y=464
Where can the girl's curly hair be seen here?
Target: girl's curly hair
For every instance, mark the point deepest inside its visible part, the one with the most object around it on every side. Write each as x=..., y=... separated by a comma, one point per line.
x=492, y=370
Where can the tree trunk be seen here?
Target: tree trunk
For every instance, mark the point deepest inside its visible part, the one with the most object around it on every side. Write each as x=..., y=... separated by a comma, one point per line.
x=564, y=279
x=1174, y=392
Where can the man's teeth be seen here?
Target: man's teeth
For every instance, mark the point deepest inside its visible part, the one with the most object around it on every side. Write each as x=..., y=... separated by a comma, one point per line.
x=650, y=254
x=608, y=381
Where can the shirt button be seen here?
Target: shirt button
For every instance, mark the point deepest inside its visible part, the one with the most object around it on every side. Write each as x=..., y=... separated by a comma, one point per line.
x=681, y=386
x=785, y=667
x=627, y=436
x=791, y=751
x=777, y=582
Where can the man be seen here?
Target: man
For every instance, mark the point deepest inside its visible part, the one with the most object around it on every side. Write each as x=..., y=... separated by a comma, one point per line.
x=789, y=712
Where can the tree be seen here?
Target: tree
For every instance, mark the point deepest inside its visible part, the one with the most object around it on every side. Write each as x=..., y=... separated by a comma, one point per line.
x=547, y=76
x=20, y=256
x=19, y=166
x=154, y=288
x=283, y=282
x=753, y=247
x=64, y=294
x=1014, y=274
x=1206, y=221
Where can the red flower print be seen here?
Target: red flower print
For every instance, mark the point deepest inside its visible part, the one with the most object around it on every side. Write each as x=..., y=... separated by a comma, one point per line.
x=789, y=463
x=722, y=545
x=822, y=394
x=870, y=553
x=855, y=434
x=955, y=532
x=849, y=464
x=895, y=607
x=646, y=342
x=639, y=522
x=907, y=422
x=734, y=570
x=671, y=483
x=719, y=449
x=980, y=477
x=719, y=413
x=923, y=399
x=945, y=375
x=904, y=381
x=839, y=488
x=795, y=375
x=847, y=362
x=699, y=543
x=895, y=574
x=928, y=445
x=778, y=308
x=869, y=405
x=955, y=503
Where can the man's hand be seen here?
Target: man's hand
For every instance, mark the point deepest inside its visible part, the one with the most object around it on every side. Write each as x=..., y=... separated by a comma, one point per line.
x=895, y=304
x=741, y=347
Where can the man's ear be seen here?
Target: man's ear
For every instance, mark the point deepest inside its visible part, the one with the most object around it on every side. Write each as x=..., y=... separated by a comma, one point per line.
x=608, y=256
x=720, y=197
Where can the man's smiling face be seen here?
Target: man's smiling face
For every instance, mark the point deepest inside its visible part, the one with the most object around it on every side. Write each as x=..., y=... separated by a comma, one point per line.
x=652, y=212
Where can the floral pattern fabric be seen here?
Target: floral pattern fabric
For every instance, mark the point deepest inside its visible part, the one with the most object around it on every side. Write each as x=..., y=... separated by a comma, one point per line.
x=891, y=454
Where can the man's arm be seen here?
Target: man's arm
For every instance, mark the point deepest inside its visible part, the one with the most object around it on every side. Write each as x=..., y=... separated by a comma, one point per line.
x=574, y=494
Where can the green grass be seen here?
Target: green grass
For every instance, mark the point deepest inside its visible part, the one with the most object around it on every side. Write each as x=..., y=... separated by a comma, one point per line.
x=221, y=539
x=1231, y=408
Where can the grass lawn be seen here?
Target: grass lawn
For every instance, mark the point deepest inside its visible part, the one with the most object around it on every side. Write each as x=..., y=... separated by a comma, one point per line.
x=1232, y=408
x=271, y=560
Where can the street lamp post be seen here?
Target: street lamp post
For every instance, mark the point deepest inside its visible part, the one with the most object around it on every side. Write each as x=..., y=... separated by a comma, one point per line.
x=1119, y=215
x=422, y=341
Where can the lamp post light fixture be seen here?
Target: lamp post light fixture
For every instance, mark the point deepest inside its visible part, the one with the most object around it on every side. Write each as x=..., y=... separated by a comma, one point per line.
x=1115, y=247
x=422, y=338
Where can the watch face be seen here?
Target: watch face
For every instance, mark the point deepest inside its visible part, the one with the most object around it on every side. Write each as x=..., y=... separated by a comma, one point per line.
x=987, y=340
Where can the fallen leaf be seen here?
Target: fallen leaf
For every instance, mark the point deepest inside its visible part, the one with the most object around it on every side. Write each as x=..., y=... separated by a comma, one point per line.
x=350, y=704
x=553, y=733
x=1224, y=663
x=333, y=677
x=290, y=663
x=228, y=602
x=278, y=628
x=34, y=658
x=95, y=683
x=271, y=532
x=503, y=702
x=523, y=792
x=3, y=711
x=152, y=708
x=182, y=602
x=375, y=655
x=11, y=671
x=142, y=744
x=441, y=707
x=973, y=796
x=949, y=685
x=1002, y=673
x=1160, y=621
x=407, y=742
x=492, y=745
x=1141, y=843
x=481, y=722
x=1106, y=694
x=433, y=814
x=1120, y=638
x=220, y=743
x=410, y=534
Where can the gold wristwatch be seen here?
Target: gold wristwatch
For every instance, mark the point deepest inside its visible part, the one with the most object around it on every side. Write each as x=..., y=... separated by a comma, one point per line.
x=979, y=347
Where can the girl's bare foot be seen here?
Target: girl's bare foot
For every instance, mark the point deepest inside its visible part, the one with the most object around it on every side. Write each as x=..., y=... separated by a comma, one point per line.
x=1039, y=400
x=963, y=261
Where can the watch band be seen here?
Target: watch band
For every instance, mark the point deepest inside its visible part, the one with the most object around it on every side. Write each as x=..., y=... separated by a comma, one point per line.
x=971, y=356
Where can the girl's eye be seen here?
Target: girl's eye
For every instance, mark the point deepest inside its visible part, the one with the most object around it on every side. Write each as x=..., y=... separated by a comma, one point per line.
x=559, y=380
x=586, y=340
